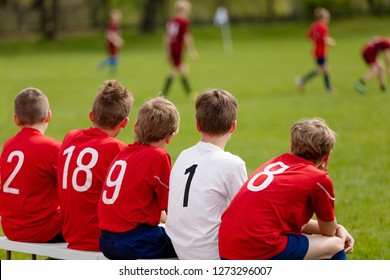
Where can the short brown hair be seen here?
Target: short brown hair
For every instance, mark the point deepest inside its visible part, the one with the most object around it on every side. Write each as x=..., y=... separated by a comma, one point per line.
x=216, y=111
x=312, y=139
x=321, y=12
x=112, y=104
x=157, y=118
x=31, y=106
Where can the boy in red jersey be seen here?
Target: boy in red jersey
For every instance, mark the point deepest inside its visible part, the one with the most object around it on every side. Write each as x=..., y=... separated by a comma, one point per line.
x=370, y=53
x=135, y=192
x=29, y=204
x=114, y=41
x=271, y=216
x=177, y=38
x=318, y=34
x=83, y=162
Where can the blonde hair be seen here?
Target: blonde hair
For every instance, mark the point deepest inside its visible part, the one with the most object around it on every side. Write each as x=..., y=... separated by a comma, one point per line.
x=31, y=106
x=112, y=104
x=182, y=5
x=216, y=111
x=157, y=118
x=312, y=139
x=321, y=13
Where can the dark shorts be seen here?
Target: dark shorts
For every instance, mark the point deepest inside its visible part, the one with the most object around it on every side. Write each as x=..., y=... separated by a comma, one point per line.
x=296, y=248
x=321, y=61
x=143, y=242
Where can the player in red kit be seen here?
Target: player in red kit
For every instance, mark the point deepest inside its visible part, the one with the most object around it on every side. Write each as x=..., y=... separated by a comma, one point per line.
x=84, y=159
x=370, y=53
x=135, y=192
x=319, y=34
x=114, y=41
x=177, y=38
x=271, y=216
x=29, y=206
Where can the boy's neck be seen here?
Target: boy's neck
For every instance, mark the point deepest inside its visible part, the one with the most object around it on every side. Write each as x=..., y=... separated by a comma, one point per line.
x=41, y=127
x=112, y=132
x=218, y=140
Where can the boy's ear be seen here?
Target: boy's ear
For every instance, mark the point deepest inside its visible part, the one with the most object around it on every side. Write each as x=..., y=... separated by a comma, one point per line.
x=91, y=116
x=17, y=121
x=233, y=128
x=48, y=117
x=197, y=127
x=124, y=123
x=169, y=138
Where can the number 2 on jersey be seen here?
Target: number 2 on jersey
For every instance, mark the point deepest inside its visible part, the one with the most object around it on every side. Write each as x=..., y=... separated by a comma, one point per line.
x=190, y=170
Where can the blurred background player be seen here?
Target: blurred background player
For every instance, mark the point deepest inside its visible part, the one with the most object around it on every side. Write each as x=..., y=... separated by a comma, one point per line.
x=135, y=192
x=370, y=53
x=114, y=41
x=271, y=216
x=204, y=179
x=177, y=38
x=84, y=159
x=318, y=34
x=29, y=205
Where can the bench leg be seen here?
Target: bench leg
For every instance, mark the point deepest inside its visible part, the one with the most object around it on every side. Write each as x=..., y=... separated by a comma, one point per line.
x=8, y=255
x=34, y=257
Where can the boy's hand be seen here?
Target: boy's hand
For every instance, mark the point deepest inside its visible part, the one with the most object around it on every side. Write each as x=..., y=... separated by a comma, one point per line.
x=330, y=41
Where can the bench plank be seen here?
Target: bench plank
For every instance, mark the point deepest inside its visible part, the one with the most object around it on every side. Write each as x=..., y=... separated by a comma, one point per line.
x=53, y=250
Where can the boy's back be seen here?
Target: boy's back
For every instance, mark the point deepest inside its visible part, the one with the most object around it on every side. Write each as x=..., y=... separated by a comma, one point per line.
x=204, y=179
x=28, y=197
x=84, y=159
x=83, y=162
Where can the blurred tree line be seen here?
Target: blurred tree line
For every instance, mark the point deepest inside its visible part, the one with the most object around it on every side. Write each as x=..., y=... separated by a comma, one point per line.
x=53, y=17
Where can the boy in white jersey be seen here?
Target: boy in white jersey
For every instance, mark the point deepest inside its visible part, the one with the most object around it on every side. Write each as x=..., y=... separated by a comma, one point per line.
x=204, y=179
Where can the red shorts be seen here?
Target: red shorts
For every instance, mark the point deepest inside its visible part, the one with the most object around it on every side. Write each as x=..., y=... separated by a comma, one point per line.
x=369, y=57
x=176, y=57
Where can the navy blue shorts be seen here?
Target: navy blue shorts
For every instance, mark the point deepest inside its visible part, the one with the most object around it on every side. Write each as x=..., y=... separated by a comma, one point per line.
x=143, y=242
x=296, y=248
x=321, y=61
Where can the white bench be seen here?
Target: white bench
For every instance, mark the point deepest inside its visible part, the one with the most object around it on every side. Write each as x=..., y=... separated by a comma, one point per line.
x=52, y=250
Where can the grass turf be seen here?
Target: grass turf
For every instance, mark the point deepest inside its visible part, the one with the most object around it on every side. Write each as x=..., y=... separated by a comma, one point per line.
x=260, y=74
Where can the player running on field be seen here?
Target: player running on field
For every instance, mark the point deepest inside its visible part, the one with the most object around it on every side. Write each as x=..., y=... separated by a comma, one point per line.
x=178, y=38
x=318, y=34
x=370, y=53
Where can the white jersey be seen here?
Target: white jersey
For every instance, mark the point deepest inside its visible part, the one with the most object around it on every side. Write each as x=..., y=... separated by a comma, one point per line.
x=203, y=181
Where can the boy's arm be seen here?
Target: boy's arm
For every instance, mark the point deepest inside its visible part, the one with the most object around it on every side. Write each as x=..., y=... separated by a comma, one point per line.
x=190, y=45
x=321, y=227
x=115, y=38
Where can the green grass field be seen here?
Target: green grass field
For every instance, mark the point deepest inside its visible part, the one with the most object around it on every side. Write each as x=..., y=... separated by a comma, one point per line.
x=261, y=75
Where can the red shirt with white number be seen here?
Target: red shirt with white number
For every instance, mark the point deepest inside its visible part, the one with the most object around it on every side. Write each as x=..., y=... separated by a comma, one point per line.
x=279, y=198
x=317, y=33
x=29, y=206
x=136, y=189
x=82, y=165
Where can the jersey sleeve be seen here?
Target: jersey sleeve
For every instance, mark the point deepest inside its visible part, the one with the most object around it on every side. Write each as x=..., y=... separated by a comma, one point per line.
x=161, y=177
x=237, y=178
x=323, y=199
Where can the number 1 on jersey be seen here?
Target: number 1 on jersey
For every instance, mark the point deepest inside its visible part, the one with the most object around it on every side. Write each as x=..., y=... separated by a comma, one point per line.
x=190, y=170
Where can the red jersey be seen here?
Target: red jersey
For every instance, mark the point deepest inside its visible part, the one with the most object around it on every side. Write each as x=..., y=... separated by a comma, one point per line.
x=176, y=28
x=279, y=198
x=29, y=204
x=113, y=50
x=372, y=49
x=83, y=162
x=317, y=33
x=136, y=189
